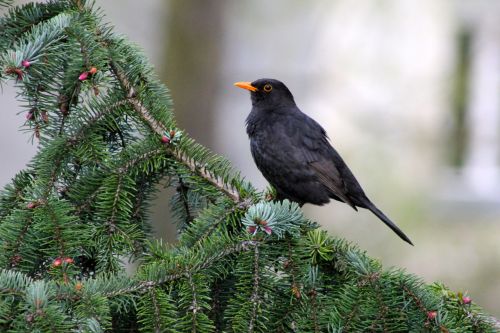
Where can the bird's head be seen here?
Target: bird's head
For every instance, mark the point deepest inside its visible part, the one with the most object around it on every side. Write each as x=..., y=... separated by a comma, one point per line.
x=268, y=93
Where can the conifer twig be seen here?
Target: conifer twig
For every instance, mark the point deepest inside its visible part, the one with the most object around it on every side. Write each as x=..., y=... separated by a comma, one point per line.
x=159, y=129
x=255, y=294
x=144, y=286
x=15, y=256
x=182, y=189
x=194, y=304
x=156, y=309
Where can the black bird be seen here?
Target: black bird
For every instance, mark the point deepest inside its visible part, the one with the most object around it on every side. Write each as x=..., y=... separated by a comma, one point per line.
x=293, y=153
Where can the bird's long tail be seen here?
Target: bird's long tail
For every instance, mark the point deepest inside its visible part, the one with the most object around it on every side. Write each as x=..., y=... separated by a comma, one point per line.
x=388, y=222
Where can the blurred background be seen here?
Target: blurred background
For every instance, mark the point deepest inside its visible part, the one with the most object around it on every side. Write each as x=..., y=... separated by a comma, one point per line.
x=408, y=91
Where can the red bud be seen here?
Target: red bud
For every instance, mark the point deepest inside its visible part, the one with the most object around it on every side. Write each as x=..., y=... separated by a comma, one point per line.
x=25, y=63
x=31, y=205
x=268, y=230
x=84, y=76
x=68, y=260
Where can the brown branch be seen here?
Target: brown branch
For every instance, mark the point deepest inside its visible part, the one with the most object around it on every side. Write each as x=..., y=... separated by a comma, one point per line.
x=383, y=308
x=194, y=304
x=144, y=286
x=57, y=230
x=215, y=224
x=421, y=306
x=313, y=293
x=15, y=257
x=91, y=121
x=159, y=129
x=418, y=302
x=140, y=158
x=182, y=189
x=352, y=313
x=111, y=223
x=255, y=299
x=72, y=141
x=157, y=311
x=121, y=170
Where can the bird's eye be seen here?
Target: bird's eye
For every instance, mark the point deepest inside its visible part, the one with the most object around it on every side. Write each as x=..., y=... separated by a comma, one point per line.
x=268, y=88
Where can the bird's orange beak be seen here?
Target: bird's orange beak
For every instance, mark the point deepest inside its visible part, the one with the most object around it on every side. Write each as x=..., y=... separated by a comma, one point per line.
x=246, y=85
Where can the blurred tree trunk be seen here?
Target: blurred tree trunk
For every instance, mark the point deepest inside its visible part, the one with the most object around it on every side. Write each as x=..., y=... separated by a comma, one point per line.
x=192, y=61
x=193, y=53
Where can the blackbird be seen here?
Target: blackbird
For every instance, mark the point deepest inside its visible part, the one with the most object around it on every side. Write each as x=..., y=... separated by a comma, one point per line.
x=294, y=154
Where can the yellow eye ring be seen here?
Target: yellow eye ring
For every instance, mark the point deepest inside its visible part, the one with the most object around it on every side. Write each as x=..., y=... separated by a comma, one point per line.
x=268, y=88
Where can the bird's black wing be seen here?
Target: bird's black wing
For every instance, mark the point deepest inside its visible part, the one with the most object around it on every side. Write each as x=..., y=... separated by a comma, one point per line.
x=326, y=163
x=329, y=176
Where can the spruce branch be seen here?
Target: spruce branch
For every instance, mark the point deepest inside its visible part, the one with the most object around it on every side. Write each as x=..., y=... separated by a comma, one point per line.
x=177, y=274
x=416, y=299
x=383, y=309
x=58, y=234
x=182, y=189
x=194, y=308
x=214, y=226
x=15, y=255
x=314, y=304
x=111, y=222
x=156, y=308
x=6, y=3
x=255, y=298
x=159, y=129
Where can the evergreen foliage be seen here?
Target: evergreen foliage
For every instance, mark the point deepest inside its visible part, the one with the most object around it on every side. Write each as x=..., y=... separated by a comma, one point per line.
x=106, y=138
